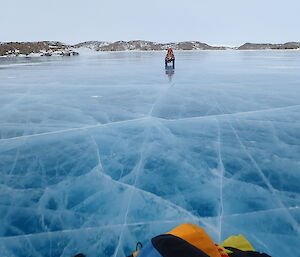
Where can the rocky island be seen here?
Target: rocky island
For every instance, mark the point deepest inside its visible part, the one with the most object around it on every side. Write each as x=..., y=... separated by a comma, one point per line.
x=44, y=48
x=285, y=46
x=146, y=46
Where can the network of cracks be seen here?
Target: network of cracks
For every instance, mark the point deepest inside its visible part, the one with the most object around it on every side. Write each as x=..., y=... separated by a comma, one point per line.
x=100, y=188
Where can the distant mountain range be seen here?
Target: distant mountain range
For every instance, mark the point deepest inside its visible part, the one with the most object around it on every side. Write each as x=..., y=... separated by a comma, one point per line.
x=48, y=48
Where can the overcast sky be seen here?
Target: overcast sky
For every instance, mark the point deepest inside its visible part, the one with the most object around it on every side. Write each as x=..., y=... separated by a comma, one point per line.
x=229, y=22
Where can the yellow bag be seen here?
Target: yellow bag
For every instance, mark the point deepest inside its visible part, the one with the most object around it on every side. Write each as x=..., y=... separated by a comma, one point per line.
x=239, y=242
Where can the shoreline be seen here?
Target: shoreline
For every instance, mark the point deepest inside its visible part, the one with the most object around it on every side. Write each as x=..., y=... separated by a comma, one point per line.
x=56, y=48
x=95, y=53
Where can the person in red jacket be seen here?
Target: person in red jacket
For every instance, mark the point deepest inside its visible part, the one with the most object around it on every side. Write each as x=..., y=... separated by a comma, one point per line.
x=170, y=57
x=170, y=54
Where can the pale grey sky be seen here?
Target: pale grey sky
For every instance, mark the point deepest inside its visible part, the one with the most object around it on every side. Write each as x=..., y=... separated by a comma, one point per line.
x=229, y=22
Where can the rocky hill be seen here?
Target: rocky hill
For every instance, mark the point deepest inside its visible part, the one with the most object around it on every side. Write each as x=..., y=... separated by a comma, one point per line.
x=43, y=48
x=93, y=45
x=145, y=46
x=252, y=46
x=193, y=45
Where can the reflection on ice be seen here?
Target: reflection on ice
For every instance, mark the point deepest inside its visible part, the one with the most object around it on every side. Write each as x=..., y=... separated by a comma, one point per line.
x=170, y=72
x=95, y=157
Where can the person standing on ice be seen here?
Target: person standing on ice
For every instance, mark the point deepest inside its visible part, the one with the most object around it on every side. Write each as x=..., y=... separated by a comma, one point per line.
x=170, y=58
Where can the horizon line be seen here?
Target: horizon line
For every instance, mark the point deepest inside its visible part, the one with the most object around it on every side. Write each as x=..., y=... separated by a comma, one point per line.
x=166, y=42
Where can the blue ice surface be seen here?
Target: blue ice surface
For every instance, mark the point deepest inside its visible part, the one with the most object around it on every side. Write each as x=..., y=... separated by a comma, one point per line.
x=99, y=152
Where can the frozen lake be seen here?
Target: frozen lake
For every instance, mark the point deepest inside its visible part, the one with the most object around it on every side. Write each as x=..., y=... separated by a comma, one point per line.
x=98, y=152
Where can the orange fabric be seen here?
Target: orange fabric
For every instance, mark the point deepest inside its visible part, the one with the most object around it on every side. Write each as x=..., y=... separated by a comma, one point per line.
x=135, y=253
x=222, y=251
x=197, y=237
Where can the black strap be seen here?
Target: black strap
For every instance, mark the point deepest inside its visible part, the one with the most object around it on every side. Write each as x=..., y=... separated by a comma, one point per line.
x=138, y=246
x=239, y=253
x=173, y=246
